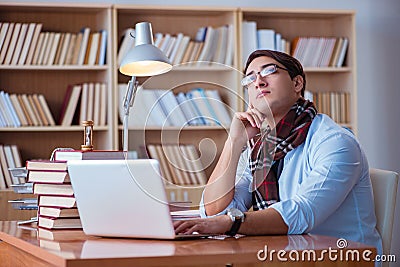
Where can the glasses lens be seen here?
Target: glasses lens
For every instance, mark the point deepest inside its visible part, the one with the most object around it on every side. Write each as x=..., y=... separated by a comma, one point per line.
x=248, y=79
x=268, y=70
x=253, y=77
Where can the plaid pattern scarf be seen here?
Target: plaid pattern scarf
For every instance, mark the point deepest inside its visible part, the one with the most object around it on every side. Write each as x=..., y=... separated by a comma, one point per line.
x=269, y=148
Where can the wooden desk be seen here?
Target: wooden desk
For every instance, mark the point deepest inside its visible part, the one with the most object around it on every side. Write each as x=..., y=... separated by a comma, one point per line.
x=23, y=247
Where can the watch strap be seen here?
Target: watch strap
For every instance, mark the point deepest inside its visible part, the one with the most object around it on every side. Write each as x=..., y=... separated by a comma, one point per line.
x=235, y=227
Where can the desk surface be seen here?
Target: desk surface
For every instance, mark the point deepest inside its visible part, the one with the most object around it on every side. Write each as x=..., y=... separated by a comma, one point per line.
x=25, y=246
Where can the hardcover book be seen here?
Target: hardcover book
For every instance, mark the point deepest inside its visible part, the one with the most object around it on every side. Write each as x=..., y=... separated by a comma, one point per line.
x=53, y=189
x=42, y=165
x=95, y=154
x=49, y=176
x=32, y=46
x=60, y=223
x=57, y=201
x=56, y=212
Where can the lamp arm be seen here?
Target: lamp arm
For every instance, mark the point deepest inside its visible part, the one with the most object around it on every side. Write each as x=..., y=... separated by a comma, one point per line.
x=128, y=103
x=130, y=94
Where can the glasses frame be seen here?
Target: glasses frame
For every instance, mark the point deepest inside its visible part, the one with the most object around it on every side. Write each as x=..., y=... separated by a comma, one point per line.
x=251, y=78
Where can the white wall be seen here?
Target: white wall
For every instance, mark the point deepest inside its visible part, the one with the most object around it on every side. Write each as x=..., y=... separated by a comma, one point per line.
x=378, y=58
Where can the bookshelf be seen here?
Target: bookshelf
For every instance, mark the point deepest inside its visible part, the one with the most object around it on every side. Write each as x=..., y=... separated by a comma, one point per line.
x=37, y=142
x=52, y=80
x=187, y=20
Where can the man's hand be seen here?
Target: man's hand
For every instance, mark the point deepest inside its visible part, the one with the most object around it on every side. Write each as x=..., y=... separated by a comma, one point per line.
x=245, y=125
x=213, y=225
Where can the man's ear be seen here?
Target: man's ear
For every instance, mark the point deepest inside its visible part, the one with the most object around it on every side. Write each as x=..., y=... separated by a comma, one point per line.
x=298, y=83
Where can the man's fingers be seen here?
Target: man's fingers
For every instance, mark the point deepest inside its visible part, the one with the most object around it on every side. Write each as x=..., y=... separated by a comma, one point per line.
x=246, y=116
x=183, y=226
x=258, y=113
x=258, y=117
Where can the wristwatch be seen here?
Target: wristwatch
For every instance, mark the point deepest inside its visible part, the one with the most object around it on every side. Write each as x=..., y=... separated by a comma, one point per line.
x=237, y=217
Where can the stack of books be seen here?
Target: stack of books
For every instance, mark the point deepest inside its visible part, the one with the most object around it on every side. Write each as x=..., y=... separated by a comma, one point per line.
x=56, y=202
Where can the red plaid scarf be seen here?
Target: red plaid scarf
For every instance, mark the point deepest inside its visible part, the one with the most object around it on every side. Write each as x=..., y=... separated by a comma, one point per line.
x=268, y=150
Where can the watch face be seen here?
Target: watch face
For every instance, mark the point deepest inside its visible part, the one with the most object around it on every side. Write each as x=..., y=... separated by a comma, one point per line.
x=237, y=217
x=235, y=214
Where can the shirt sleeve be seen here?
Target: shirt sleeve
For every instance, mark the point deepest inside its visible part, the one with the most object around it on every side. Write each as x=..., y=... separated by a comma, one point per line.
x=242, y=196
x=336, y=166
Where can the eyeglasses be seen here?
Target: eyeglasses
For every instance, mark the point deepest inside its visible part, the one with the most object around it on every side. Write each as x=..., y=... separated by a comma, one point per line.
x=267, y=70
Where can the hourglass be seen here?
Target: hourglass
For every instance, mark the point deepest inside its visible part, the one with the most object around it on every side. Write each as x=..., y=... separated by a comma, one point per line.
x=87, y=136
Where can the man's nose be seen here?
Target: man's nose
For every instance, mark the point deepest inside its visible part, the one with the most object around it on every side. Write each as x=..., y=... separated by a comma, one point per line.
x=260, y=81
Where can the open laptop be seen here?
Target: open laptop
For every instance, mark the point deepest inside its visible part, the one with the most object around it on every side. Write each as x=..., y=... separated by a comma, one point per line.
x=122, y=198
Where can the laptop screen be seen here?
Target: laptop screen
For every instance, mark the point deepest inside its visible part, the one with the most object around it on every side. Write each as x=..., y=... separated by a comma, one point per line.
x=121, y=198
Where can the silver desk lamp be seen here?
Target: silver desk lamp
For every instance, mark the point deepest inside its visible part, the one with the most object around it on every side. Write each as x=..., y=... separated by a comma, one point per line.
x=144, y=59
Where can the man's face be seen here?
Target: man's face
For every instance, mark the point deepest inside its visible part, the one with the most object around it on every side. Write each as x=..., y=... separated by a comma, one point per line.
x=276, y=92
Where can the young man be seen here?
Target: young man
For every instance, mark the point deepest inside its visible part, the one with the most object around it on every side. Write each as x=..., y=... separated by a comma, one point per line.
x=300, y=171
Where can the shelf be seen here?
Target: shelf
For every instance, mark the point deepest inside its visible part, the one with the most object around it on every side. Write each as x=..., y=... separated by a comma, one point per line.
x=302, y=13
x=53, y=67
x=76, y=128
x=328, y=69
x=204, y=67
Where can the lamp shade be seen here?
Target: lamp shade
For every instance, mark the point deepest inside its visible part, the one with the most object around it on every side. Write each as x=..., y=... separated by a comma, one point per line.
x=144, y=59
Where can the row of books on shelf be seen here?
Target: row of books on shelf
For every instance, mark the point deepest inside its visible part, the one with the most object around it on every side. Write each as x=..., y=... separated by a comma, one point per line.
x=180, y=164
x=320, y=51
x=214, y=44
x=334, y=104
x=253, y=39
x=18, y=110
x=310, y=51
x=10, y=157
x=161, y=107
x=86, y=101
x=27, y=44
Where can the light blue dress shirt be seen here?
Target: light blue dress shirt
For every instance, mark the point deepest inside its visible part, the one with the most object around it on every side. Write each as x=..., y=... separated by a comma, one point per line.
x=324, y=187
